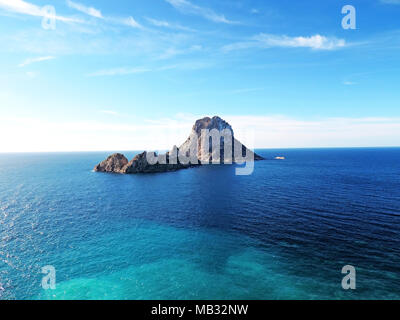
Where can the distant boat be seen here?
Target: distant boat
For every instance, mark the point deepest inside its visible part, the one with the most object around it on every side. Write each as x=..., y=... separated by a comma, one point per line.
x=280, y=158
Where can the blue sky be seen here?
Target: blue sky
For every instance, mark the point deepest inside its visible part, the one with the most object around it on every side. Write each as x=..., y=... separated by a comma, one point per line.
x=136, y=74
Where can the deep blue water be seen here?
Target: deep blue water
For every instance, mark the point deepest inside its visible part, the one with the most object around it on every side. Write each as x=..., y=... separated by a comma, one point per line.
x=284, y=232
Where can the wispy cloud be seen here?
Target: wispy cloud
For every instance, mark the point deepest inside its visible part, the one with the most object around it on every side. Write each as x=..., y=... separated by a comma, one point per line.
x=316, y=42
x=23, y=7
x=119, y=71
x=349, y=83
x=129, y=21
x=187, y=7
x=33, y=60
x=87, y=10
x=173, y=52
x=109, y=112
x=166, y=24
x=190, y=65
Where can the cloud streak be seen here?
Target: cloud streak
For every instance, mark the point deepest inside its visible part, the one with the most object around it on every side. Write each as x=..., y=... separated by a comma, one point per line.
x=96, y=13
x=23, y=7
x=166, y=24
x=187, y=7
x=118, y=72
x=109, y=112
x=263, y=40
x=87, y=10
x=349, y=83
x=34, y=60
x=191, y=66
x=130, y=22
x=173, y=52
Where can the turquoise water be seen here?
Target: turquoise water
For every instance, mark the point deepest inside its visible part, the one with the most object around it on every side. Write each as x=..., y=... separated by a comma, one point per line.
x=284, y=232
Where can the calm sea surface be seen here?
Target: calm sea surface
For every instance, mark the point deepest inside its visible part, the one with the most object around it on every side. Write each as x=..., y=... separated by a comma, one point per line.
x=285, y=232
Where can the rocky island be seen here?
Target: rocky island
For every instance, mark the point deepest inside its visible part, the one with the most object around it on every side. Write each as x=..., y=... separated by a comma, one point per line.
x=197, y=150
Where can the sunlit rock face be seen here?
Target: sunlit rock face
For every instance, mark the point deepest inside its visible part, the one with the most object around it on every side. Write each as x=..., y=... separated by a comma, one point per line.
x=114, y=163
x=211, y=141
x=203, y=130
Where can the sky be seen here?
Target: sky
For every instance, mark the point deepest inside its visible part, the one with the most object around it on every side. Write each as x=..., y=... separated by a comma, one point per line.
x=134, y=75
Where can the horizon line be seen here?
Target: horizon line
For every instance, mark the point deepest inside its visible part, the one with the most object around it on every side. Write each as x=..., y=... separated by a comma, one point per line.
x=141, y=150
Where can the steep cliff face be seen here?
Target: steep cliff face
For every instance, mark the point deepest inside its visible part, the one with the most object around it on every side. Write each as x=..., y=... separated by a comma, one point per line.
x=197, y=143
x=197, y=149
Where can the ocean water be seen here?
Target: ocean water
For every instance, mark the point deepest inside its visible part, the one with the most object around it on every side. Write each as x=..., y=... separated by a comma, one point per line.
x=284, y=232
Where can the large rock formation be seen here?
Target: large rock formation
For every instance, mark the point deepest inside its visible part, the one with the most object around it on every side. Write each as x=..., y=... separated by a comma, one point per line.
x=196, y=150
x=114, y=163
x=140, y=164
x=215, y=123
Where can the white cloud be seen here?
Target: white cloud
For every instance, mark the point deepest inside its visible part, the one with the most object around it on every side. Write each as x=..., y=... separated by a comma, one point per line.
x=172, y=52
x=159, y=23
x=33, y=60
x=280, y=131
x=109, y=112
x=20, y=6
x=118, y=71
x=316, y=42
x=349, y=83
x=87, y=10
x=166, y=24
x=286, y=132
x=189, y=8
x=23, y=7
x=131, y=22
x=190, y=65
x=161, y=134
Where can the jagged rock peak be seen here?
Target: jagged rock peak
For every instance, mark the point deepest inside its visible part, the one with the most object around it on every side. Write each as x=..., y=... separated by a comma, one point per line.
x=211, y=123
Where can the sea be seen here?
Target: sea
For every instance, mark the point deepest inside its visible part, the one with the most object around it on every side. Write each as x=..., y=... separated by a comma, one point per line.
x=284, y=232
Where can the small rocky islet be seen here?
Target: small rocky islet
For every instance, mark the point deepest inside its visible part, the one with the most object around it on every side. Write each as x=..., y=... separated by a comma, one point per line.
x=118, y=163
